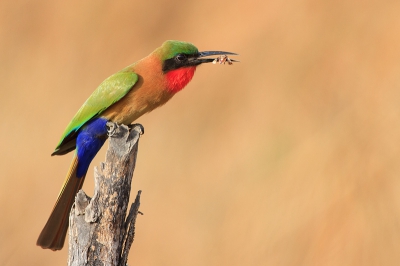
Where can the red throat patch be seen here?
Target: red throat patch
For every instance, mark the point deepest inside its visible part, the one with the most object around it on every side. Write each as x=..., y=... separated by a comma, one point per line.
x=177, y=79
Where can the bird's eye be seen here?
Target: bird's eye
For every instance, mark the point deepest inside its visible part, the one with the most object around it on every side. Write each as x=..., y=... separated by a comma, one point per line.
x=180, y=57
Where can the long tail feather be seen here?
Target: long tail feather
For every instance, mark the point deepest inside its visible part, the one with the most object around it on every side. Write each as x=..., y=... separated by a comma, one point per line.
x=55, y=230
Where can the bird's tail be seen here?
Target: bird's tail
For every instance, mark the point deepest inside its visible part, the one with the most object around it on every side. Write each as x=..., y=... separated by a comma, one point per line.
x=55, y=230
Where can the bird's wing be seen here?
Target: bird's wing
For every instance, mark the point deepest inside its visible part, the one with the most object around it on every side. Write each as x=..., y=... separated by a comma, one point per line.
x=110, y=91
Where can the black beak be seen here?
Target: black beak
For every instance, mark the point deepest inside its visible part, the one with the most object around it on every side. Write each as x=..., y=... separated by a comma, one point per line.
x=198, y=58
x=188, y=60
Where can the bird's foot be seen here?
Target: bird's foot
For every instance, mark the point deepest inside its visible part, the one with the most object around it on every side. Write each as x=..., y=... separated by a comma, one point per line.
x=111, y=128
x=140, y=129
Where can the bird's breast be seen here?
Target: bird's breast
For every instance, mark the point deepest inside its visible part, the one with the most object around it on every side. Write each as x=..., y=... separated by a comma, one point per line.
x=147, y=94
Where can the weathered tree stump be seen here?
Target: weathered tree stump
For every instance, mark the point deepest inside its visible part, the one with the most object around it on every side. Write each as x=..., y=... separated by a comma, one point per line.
x=100, y=233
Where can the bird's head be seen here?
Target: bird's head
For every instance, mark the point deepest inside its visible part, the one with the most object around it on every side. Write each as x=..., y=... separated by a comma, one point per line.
x=179, y=61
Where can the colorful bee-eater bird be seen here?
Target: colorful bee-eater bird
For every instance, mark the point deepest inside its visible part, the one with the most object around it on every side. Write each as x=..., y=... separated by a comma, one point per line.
x=121, y=98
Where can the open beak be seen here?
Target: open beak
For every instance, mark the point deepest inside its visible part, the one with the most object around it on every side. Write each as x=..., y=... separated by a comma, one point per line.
x=198, y=59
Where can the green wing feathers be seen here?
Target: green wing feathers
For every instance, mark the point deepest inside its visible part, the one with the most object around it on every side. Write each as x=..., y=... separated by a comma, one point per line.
x=110, y=91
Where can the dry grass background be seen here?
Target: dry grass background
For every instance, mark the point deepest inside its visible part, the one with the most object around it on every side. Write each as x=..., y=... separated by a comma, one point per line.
x=290, y=157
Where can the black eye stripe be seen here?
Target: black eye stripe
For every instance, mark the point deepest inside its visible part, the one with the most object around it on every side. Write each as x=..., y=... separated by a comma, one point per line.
x=180, y=60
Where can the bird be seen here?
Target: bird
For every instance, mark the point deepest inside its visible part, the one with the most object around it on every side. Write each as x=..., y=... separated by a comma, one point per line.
x=121, y=98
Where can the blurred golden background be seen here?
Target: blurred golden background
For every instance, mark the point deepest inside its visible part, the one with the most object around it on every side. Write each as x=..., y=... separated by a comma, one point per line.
x=290, y=157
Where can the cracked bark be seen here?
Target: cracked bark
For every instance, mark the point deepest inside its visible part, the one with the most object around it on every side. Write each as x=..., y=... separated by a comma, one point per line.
x=100, y=232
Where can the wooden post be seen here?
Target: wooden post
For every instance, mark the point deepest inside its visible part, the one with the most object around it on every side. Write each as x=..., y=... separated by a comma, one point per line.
x=100, y=233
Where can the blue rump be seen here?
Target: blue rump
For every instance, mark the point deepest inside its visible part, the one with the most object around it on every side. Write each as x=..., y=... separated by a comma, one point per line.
x=91, y=138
